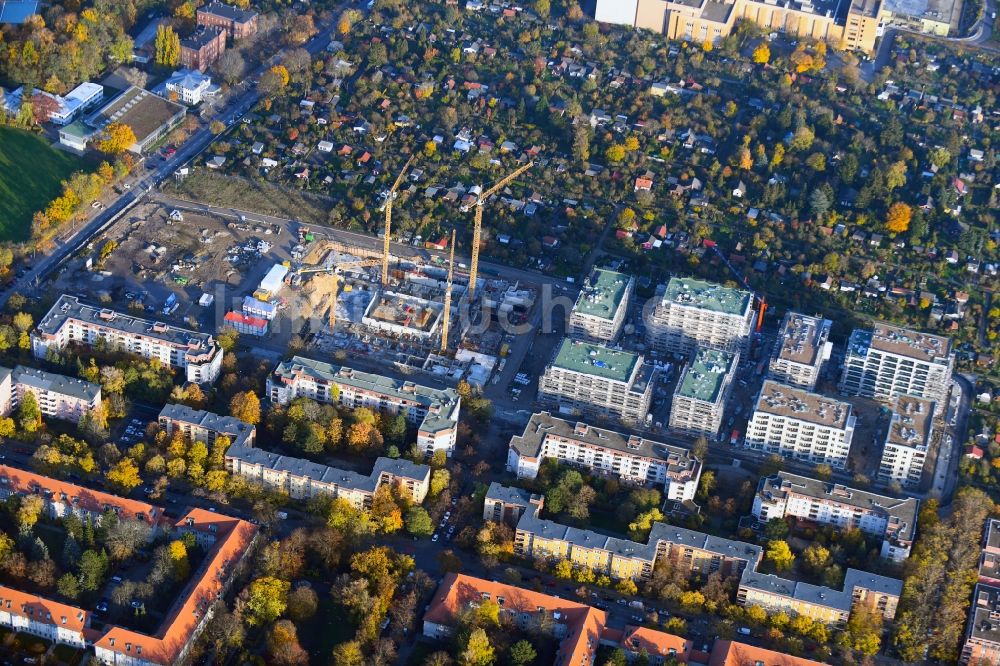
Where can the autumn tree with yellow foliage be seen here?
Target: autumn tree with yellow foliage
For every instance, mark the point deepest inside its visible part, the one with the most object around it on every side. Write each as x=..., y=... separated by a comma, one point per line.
x=897, y=220
x=116, y=139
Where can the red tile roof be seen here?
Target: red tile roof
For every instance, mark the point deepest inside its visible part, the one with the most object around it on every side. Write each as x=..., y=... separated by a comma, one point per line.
x=43, y=610
x=24, y=482
x=731, y=653
x=656, y=643
x=584, y=624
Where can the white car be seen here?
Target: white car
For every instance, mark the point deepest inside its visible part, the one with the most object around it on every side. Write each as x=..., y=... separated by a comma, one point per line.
x=434, y=538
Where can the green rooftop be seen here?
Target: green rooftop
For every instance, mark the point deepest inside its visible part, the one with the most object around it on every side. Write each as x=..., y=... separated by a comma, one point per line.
x=707, y=296
x=595, y=360
x=602, y=293
x=703, y=379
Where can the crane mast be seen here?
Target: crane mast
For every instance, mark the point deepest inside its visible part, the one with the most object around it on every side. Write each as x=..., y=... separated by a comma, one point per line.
x=447, y=296
x=477, y=228
x=388, y=221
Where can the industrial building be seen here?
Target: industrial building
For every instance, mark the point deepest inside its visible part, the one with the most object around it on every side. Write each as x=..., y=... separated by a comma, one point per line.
x=803, y=347
x=911, y=431
x=70, y=321
x=433, y=411
x=702, y=392
x=889, y=361
x=693, y=313
x=595, y=381
x=802, y=425
x=599, y=312
x=825, y=503
x=631, y=458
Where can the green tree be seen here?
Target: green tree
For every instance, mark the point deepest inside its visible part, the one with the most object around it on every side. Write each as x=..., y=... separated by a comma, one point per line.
x=418, y=522
x=522, y=653
x=29, y=416
x=167, y=47
x=92, y=567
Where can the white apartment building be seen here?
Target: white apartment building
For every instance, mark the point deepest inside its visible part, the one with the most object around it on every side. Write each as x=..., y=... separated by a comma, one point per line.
x=70, y=321
x=889, y=361
x=802, y=425
x=906, y=443
x=58, y=396
x=304, y=479
x=821, y=502
x=802, y=349
x=702, y=392
x=599, y=313
x=693, y=313
x=201, y=426
x=631, y=458
x=591, y=380
x=433, y=411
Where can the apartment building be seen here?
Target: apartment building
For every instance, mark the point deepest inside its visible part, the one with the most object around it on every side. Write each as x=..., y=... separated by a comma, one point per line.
x=58, y=396
x=600, y=309
x=631, y=458
x=889, y=361
x=825, y=503
x=856, y=25
x=694, y=313
x=70, y=321
x=237, y=23
x=304, y=479
x=506, y=504
x=802, y=425
x=702, y=392
x=433, y=411
x=878, y=594
x=197, y=425
x=982, y=632
x=226, y=541
x=803, y=347
x=989, y=559
x=731, y=653
x=911, y=431
x=591, y=380
x=202, y=48
x=577, y=628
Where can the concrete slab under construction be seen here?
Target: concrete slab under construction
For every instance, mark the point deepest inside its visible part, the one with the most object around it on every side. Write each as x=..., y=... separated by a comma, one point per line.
x=403, y=315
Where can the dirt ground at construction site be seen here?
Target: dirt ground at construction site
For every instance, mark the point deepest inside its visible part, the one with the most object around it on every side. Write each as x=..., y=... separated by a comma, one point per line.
x=162, y=262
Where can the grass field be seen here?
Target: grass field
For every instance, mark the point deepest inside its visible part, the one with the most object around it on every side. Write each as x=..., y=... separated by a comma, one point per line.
x=30, y=175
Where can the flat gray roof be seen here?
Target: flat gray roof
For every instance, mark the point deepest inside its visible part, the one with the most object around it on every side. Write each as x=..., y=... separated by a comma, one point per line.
x=820, y=595
x=902, y=342
x=795, y=403
x=912, y=422
x=50, y=381
x=510, y=495
x=801, y=338
x=983, y=624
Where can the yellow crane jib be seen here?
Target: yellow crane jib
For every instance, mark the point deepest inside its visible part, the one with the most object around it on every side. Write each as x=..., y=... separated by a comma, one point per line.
x=477, y=227
x=388, y=220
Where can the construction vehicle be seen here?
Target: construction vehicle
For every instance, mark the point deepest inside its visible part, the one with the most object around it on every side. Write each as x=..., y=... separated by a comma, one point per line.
x=390, y=197
x=447, y=296
x=477, y=227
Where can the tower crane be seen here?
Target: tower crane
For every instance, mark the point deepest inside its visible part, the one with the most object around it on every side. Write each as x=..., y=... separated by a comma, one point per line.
x=478, y=224
x=388, y=220
x=447, y=296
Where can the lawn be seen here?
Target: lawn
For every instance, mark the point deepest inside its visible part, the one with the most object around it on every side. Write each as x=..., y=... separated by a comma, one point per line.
x=30, y=175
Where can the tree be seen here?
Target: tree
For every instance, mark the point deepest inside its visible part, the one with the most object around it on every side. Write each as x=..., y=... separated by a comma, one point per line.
x=522, y=653
x=167, y=47
x=780, y=554
x=348, y=654
x=124, y=475
x=476, y=649
x=227, y=337
x=28, y=511
x=179, y=559
x=270, y=84
x=615, y=153
x=246, y=407
x=302, y=603
x=68, y=586
x=231, y=66
x=116, y=139
x=816, y=558
x=92, y=567
x=123, y=539
x=29, y=416
x=283, y=645
x=377, y=55
x=440, y=480
x=217, y=127
x=627, y=587
x=700, y=448
x=762, y=54
x=418, y=522
x=898, y=218
x=267, y=599
x=563, y=569
x=819, y=203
